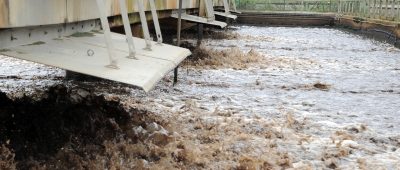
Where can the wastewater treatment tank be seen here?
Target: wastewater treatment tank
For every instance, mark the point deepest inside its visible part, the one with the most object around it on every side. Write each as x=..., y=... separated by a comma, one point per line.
x=251, y=96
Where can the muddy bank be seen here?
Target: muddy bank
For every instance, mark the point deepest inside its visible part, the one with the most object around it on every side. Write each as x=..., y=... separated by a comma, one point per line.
x=72, y=128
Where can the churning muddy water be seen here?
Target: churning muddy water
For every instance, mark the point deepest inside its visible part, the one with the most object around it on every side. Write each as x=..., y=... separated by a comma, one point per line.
x=249, y=98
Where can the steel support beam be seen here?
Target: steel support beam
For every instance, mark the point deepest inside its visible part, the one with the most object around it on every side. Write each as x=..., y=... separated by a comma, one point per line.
x=145, y=27
x=107, y=34
x=128, y=30
x=156, y=22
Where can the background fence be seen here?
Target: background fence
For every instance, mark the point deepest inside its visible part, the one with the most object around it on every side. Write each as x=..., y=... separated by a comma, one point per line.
x=376, y=9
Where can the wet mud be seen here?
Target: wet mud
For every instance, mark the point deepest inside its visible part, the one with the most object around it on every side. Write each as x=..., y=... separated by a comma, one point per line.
x=64, y=128
x=208, y=58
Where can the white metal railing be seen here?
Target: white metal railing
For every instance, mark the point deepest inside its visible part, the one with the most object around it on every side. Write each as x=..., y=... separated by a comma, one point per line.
x=376, y=9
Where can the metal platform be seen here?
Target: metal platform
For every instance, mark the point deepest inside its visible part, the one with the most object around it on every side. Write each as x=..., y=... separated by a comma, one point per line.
x=198, y=19
x=87, y=53
x=227, y=10
x=227, y=15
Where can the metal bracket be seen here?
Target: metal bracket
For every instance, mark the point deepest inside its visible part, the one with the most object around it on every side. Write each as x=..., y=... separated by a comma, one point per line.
x=227, y=13
x=198, y=19
x=210, y=19
x=226, y=7
x=156, y=22
x=234, y=5
x=107, y=34
x=145, y=27
x=233, y=2
x=128, y=30
x=210, y=10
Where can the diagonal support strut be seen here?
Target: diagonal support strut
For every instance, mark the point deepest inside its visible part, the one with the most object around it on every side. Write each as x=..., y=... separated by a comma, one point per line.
x=107, y=34
x=128, y=30
x=145, y=27
x=156, y=22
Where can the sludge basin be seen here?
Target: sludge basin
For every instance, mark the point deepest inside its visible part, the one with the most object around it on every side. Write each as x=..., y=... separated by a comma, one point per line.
x=318, y=98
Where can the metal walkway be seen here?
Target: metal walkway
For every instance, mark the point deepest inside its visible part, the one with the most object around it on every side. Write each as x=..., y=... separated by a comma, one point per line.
x=65, y=34
x=88, y=55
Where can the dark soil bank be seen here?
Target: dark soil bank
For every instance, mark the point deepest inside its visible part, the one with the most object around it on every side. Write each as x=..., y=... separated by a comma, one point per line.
x=41, y=131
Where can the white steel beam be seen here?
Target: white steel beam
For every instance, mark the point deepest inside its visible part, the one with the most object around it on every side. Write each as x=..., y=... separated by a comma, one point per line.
x=107, y=34
x=156, y=22
x=145, y=27
x=128, y=30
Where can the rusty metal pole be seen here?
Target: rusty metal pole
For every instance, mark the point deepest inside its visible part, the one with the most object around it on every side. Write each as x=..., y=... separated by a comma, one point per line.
x=200, y=28
x=178, y=37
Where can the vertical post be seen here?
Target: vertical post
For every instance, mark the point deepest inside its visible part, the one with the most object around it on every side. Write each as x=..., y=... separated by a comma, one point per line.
x=386, y=9
x=226, y=6
x=398, y=10
x=349, y=7
x=178, y=37
x=210, y=10
x=380, y=8
x=284, y=5
x=145, y=27
x=368, y=11
x=128, y=30
x=155, y=21
x=374, y=9
x=200, y=28
x=107, y=34
x=392, y=14
x=352, y=8
x=360, y=8
x=234, y=5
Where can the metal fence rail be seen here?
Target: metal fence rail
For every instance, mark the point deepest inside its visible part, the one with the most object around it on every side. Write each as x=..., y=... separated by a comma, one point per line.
x=375, y=9
x=289, y=5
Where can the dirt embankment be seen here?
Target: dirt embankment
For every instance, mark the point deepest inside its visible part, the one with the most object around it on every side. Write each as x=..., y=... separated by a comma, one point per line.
x=75, y=129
